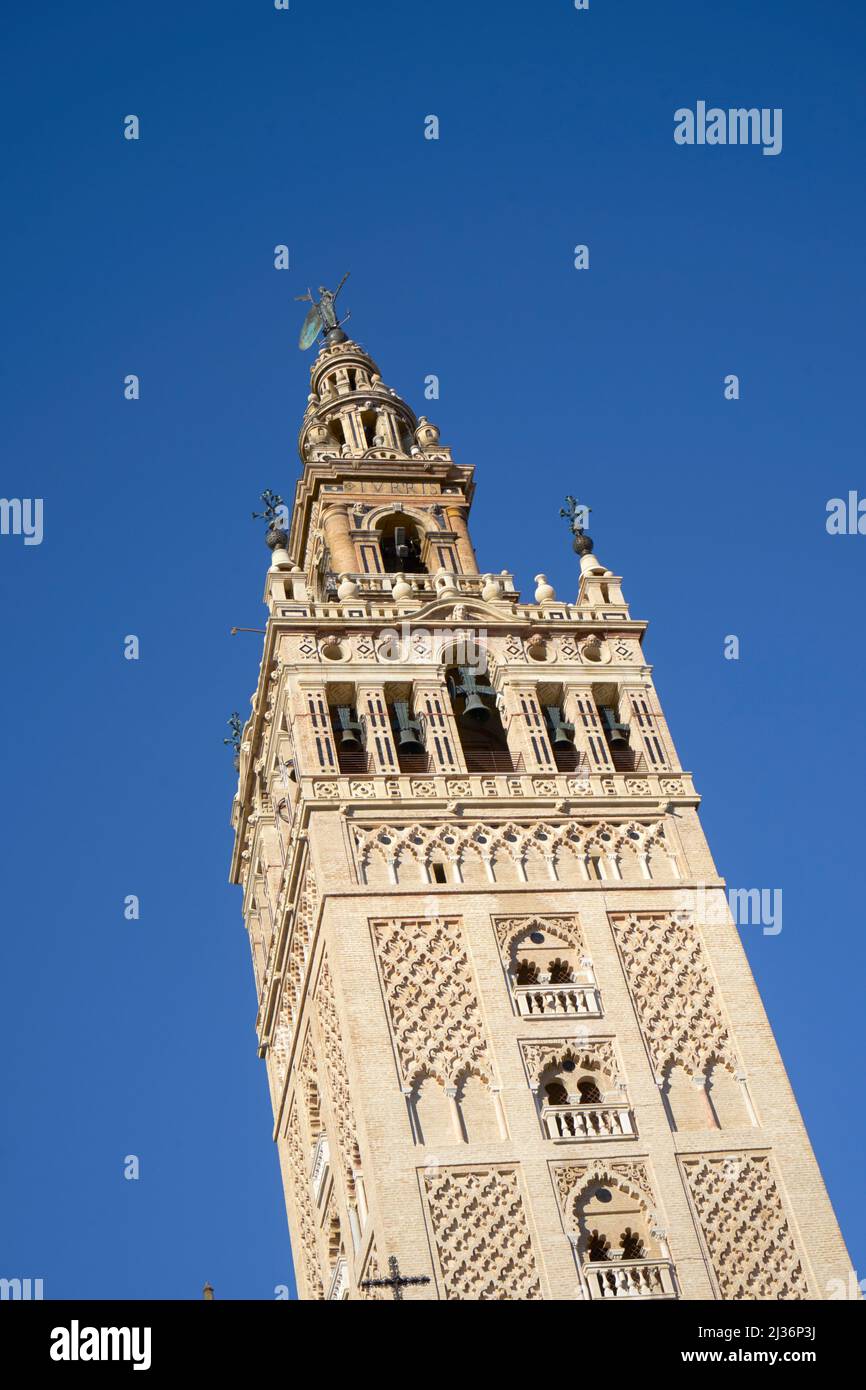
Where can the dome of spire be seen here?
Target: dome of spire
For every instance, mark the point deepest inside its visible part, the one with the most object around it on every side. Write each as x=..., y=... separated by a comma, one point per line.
x=350, y=410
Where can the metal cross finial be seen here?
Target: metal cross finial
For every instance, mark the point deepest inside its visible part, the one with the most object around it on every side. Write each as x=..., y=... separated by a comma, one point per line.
x=397, y=1282
x=577, y=514
x=234, y=723
x=273, y=501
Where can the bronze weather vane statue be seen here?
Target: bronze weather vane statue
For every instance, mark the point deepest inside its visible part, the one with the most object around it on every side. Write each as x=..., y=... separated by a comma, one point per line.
x=322, y=317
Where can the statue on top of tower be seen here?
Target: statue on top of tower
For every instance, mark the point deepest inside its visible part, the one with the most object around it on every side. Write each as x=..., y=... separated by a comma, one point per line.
x=322, y=317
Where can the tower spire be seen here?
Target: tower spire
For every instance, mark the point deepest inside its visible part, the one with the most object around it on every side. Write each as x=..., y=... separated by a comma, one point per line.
x=512, y=1041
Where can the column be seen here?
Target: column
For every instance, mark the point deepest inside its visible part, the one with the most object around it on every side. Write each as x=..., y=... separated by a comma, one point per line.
x=335, y=524
x=580, y=710
x=379, y=741
x=527, y=733
x=440, y=727
x=465, y=553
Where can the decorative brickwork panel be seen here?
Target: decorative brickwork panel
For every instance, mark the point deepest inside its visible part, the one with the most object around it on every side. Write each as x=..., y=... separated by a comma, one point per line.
x=307, y=1266
x=481, y=1234
x=677, y=1003
x=338, y=1079
x=432, y=1001
x=740, y=1211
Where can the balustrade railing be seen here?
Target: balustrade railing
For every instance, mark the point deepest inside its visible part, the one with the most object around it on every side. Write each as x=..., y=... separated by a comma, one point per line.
x=587, y=1122
x=565, y=1000
x=629, y=1279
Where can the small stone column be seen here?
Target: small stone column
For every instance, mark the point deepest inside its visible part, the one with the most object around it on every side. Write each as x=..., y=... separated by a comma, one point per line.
x=466, y=555
x=335, y=524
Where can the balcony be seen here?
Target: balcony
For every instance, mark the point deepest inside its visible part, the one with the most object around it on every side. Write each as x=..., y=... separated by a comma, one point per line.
x=624, y=1279
x=587, y=1122
x=338, y=1289
x=557, y=1001
x=320, y=1167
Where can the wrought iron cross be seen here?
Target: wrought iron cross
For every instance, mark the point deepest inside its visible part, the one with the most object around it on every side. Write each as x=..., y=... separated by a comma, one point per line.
x=234, y=723
x=397, y=1282
x=273, y=501
x=577, y=514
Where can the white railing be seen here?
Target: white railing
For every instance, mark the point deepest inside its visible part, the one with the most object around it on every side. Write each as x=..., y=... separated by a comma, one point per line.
x=338, y=1288
x=569, y=1000
x=587, y=1122
x=320, y=1167
x=629, y=1279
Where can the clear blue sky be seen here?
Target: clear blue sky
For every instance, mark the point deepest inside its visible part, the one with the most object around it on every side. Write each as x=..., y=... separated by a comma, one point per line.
x=306, y=127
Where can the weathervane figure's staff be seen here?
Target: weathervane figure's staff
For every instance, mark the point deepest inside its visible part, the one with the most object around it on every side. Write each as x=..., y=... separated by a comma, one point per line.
x=322, y=317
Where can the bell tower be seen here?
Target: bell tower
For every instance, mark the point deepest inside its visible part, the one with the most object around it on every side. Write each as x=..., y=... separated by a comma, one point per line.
x=513, y=1045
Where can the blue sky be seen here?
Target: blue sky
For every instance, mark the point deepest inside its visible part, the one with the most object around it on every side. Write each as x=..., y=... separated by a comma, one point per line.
x=305, y=127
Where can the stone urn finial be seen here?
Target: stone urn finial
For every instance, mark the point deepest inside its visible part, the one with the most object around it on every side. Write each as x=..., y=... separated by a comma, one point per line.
x=400, y=587
x=348, y=588
x=544, y=592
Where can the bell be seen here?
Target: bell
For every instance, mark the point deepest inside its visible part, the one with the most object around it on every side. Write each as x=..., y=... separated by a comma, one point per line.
x=409, y=741
x=563, y=731
x=475, y=711
x=617, y=734
x=349, y=739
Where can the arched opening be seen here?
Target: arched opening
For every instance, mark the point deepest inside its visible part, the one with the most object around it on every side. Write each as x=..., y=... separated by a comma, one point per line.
x=479, y=724
x=400, y=543
x=588, y=1091
x=612, y=1225
x=432, y=1112
x=685, y=1099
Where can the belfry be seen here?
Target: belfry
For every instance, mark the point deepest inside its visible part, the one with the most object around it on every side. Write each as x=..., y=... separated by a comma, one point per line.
x=513, y=1044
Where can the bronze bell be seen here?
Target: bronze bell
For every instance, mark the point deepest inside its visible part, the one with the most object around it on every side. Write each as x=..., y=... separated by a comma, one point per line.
x=562, y=738
x=475, y=710
x=409, y=741
x=349, y=739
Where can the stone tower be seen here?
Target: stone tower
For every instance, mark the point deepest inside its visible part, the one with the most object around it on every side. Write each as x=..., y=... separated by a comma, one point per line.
x=510, y=1033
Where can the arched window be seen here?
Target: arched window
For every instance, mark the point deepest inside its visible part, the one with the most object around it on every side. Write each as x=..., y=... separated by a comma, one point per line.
x=527, y=972
x=556, y=1093
x=588, y=1091
x=631, y=1244
x=401, y=545
x=479, y=724
x=561, y=972
x=597, y=1246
